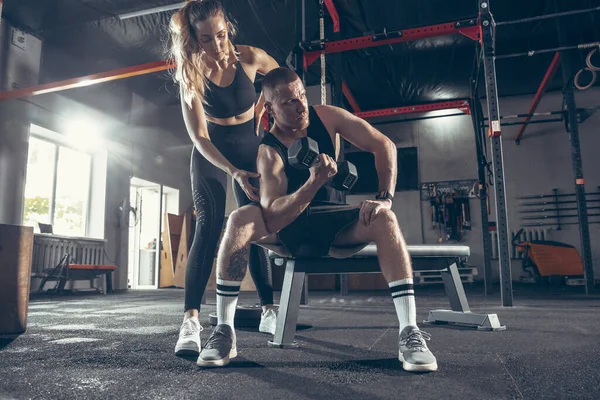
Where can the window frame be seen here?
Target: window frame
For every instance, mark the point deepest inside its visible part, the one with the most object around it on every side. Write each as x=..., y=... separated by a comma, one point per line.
x=57, y=145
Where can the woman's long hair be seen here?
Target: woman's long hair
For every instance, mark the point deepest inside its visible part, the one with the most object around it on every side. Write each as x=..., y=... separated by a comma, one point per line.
x=185, y=51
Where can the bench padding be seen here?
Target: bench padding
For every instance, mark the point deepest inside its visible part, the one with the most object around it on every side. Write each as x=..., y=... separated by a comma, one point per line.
x=416, y=251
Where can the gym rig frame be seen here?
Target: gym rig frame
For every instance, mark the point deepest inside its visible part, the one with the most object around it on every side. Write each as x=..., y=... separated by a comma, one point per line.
x=482, y=30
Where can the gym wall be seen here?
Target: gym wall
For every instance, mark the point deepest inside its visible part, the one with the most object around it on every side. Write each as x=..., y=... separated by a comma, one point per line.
x=141, y=140
x=542, y=162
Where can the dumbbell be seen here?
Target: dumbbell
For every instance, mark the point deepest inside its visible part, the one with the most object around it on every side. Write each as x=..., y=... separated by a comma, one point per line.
x=304, y=152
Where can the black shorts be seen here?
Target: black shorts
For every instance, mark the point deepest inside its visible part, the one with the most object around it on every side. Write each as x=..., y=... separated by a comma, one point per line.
x=315, y=230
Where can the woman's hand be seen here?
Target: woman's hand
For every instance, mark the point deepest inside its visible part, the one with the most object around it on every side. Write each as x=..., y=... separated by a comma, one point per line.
x=243, y=179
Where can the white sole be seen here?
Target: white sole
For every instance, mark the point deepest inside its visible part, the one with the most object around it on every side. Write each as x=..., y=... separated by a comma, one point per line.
x=218, y=363
x=417, y=367
x=187, y=349
x=263, y=329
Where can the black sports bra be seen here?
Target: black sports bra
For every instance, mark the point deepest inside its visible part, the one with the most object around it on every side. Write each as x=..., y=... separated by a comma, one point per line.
x=232, y=100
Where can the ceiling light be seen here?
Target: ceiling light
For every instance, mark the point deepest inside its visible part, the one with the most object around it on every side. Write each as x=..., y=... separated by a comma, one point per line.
x=148, y=11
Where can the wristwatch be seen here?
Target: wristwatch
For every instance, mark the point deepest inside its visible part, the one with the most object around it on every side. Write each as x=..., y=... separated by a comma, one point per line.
x=383, y=195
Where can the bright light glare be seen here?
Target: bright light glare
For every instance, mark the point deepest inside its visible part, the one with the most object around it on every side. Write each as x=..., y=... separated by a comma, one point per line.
x=84, y=134
x=85, y=82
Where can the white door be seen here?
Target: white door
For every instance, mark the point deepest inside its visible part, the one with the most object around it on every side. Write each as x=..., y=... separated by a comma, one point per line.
x=144, y=237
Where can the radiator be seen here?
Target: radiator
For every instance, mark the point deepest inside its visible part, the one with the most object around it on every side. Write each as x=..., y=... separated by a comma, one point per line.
x=48, y=250
x=525, y=236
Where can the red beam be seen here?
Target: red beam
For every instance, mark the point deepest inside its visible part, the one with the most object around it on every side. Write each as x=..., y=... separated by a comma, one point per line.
x=470, y=29
x=540, y=92
x=462, y=105
x=265, y=121
x=350, y=97
x=334, y=14
x=87, y=80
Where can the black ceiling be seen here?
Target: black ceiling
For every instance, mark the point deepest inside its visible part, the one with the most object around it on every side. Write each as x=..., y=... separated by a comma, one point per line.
x=84, y=36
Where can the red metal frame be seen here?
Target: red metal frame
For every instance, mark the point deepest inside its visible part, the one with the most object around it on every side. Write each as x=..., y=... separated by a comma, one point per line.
x=462, y=105
x=334, y=14
x=265, y=121
x=540, y=92
x=463, y=27
x=350, y=97
x=87, y=80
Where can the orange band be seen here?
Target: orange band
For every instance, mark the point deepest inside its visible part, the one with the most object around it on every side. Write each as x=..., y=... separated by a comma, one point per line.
x=580, y=181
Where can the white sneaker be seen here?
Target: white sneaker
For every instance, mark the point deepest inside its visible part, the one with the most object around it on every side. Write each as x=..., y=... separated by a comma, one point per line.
x=268, y=321
x=414, y=353
x=189, y=338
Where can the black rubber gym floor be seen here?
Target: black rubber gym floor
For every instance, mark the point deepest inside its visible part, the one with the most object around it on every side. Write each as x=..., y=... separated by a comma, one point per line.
x=121, y=346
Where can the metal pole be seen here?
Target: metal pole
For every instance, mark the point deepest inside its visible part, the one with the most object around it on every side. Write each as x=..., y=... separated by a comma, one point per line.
x=555, y=49
x=338, y=101
x=545, y=114
x=300, y=37
x=541, y=17
x=477, y=118
x=543, y=121
x=569, y=99
x=481, y=165
x=489, y=68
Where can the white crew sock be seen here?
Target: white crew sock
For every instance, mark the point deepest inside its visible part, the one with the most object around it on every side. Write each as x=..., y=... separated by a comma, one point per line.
x=227, y=297
x=404, y=301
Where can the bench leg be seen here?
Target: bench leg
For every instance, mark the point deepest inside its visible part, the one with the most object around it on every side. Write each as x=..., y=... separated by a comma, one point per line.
x=289, y=305
x=343, y=285
x=108, y=281
x=455, y=289
x=461, y=313
x=304, y=295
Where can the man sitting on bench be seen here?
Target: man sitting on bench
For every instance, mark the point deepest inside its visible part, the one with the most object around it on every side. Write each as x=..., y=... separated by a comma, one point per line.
x=298, y=210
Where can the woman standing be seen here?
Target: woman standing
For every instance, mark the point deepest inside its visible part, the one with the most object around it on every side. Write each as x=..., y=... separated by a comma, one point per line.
x=222, y=117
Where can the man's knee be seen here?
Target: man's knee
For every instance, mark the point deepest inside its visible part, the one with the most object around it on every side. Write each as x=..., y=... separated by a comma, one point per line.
x=244, y=221
x=244, y=217
x=386, y=217
x=385, y=223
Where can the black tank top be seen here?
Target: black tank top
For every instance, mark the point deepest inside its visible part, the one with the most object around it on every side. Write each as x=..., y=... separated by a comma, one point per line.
x=232, y=100
x=297, y=177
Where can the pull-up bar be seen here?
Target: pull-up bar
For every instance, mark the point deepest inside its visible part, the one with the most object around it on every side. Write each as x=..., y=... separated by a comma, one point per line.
x=313, y=50
x=547, y=16
x=555, y=49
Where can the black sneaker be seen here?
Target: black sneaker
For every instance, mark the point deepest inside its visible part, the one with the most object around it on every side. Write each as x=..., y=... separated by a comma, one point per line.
x=219, y=348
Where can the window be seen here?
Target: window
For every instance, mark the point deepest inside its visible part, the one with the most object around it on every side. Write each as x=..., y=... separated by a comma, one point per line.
x=57, y=187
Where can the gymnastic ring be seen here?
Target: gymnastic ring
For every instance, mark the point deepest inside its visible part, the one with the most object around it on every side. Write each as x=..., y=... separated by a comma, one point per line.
x=588, y=60
x=589, y=85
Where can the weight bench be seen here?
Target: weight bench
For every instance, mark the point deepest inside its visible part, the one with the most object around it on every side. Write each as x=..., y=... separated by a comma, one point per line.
x=65, y=271
x=365, y=261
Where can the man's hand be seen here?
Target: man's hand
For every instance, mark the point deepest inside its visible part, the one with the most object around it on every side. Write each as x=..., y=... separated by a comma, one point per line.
x=370, y=208
x=323, y=169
